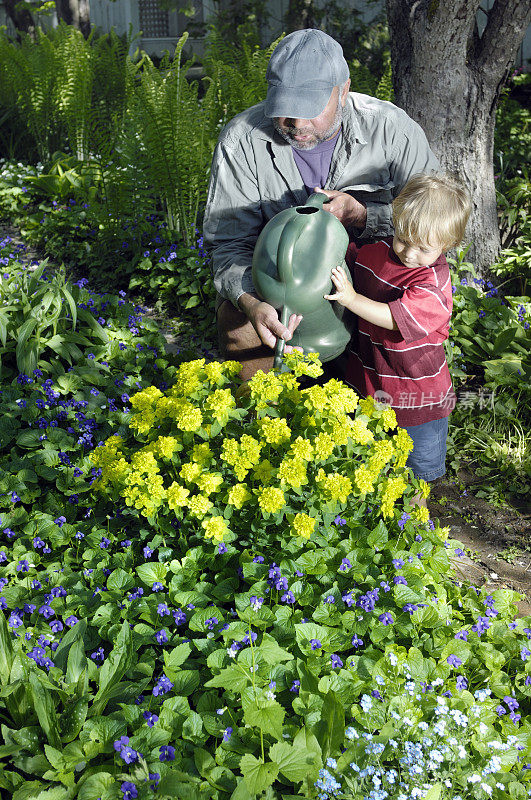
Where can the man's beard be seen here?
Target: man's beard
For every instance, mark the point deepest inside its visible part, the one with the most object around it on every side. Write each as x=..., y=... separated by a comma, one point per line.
x=316, y=139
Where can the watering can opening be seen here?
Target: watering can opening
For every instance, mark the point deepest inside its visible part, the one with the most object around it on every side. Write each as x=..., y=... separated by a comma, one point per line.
x=306, y=210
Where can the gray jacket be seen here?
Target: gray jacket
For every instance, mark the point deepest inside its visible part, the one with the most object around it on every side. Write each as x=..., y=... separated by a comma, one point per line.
x=254, y=176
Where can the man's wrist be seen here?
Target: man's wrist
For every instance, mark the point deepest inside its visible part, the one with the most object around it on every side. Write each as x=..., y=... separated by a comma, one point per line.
x=246, y=301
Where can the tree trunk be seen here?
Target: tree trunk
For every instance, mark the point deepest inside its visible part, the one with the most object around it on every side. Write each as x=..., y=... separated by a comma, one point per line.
x=448, y=79
x=21, y=18
x=76, y=13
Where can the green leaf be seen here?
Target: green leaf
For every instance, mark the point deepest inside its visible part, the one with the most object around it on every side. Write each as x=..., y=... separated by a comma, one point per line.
x=503, y=339
x=434, y=792
x=119, y=660
x=174, y=658
x=268, y=715
x=6, y=652
x=271, y=652
x=95, y=785
x=229, y=678
x=330, y=729
x=257, y=775
x=120, y=581
x=151, y=573
x=295, y=762
x=193, y=727
x=71, y=304
x=379, y=536
x=45, y=710
x=77, y=661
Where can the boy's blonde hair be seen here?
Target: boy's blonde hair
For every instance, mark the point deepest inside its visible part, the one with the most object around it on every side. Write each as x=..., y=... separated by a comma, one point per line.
x=432, y=209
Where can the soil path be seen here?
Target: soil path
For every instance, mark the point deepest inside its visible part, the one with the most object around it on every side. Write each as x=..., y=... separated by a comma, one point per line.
x=496, y=540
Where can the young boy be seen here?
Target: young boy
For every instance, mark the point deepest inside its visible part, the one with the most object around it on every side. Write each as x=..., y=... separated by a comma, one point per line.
x=403, y=300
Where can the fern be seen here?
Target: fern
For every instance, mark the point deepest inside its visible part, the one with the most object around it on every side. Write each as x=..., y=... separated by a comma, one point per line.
x=384, y=90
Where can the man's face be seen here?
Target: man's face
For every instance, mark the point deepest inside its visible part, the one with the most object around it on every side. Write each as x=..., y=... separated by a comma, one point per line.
x=305, y=134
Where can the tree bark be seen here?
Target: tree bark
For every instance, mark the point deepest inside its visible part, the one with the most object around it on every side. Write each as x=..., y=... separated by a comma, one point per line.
x=448, y=78
x=22, y=19
x=76, y=13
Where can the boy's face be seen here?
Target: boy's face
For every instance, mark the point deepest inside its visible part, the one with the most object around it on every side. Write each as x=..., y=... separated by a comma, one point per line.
x=416, y=255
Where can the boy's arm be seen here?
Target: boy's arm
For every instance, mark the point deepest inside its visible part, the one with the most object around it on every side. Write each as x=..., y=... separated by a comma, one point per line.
x=371, y=310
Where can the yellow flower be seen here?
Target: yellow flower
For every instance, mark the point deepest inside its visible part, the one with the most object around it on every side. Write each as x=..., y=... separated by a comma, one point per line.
x=301, y=449
x=265, y=388
x=324, y=446
x=404, y=445
x=189, y=378
x=202, y=454
x=215, y=528
x=190, y=472
x=142, y=422
x=231, y=368
x=188, y=418
x=388, y=418
x=424, y=488
x=219, y=402
x=292, y=471
x=214, y=372
x=334, y=486
x=303, y=363
x=165, y=446
x=381, y=454
x=316, y=398
x=421, y=513
x=367, y=406
x=303, y=525
x=198, y=505
x=364, y=479
x=144, y=461
x=359, y=432
x=242, y=455
x=144, y=400
x=263, y=472
x=177, y=496
x=209, y=482
x=274, y=430
x=393, y=489
x=342, y=397
x=238, y=495
x=271, y=500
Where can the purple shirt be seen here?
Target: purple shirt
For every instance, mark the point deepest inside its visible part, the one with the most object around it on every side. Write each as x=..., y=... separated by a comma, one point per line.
x=314, y=165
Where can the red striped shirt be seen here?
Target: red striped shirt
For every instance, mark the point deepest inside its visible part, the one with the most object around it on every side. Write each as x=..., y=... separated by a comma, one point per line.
x=406, y=367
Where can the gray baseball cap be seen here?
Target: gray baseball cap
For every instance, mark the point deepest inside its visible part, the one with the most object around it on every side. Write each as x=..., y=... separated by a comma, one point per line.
x=301, y=74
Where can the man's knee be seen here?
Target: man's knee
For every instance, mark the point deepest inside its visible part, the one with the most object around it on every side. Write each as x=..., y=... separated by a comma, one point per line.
x=235, y=331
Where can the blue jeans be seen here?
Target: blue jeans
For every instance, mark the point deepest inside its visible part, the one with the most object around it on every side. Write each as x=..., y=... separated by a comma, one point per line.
x=427, y=459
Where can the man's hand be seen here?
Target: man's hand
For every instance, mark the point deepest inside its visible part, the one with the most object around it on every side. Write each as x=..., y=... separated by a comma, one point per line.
x=265, y=321
x=346, y=208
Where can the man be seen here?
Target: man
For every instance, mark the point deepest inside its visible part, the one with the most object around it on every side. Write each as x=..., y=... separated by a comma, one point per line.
x=309, y=132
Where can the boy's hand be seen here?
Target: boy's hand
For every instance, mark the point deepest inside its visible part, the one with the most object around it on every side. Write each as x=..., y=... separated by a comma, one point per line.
x=345, y=293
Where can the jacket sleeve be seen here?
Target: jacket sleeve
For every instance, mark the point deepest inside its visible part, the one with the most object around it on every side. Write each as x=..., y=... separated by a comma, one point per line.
x=421, y=311
x=409, y=154
x=233, y=219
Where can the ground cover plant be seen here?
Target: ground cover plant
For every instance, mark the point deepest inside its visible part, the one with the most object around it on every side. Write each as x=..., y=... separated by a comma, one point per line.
x=208, y=591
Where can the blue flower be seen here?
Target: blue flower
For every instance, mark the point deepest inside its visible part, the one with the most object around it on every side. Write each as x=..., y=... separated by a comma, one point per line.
x=71, y=621
x=60, y=521
x=315, y=644
x=454, y=661
x=23, y=566
x=227, y=733
x=386, y=618
x=129, y=790
x=105, y=543
x=356, y=641
x=167, y=753
x=163, y=686
x=336, y=661
x=150, y=718
x=288, y=597
x=295, y=686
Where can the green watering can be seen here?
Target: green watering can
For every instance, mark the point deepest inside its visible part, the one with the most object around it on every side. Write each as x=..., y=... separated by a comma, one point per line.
x=292, y=262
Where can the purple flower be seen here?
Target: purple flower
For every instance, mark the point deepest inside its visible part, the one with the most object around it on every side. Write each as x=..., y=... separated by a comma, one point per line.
x=295, y=686
x=99, y=655
x=256, y=603
x=340, y=521
x=403, y=519
x=211, y=622
x=461, y=683
x=129, y=790
x=336, y=661
x=105, y=543
x=288, y=597
x=161, y=636
x=157, y=587
x=150, y=718
x=163, y=686
x=399, y=579
x=345, y=564
x=386, y=618
x=525, y=653
x=222, y=548
x=227, y=733
x=23, y=566
x=179, y=616
x=46, y=611
x=167, y=753
x=356, y=641
x=462, y=635
x=71, y=621
x=60, y=521
x=15, y=498
x=315, y=644
x=56, y=626
x=398, y=563
x=14, y=620
x=454, y=661
x=510, y=702
x=481, y=625
x=348, y=599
